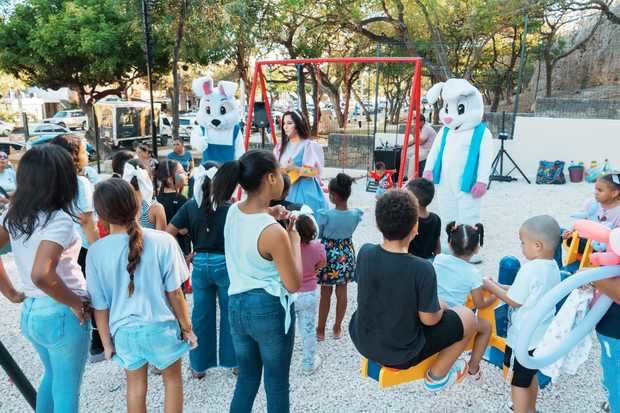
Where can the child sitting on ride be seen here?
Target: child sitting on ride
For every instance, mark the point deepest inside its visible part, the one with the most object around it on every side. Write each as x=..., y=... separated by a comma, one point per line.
x=539, y=241
x=604, y=208
x=382, y=177
x=457, y=278
x=399, y=322
x=426, y=244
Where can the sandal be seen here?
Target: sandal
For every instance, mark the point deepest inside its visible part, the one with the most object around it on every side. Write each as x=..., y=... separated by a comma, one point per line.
x=337, y=336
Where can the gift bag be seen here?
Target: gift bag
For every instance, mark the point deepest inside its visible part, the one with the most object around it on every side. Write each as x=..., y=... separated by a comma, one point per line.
x=550, y=172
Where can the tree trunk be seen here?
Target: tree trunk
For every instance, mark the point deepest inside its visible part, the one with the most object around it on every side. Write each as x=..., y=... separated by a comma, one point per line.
x=314, y=128
x=87, y=108
x=175, y=68
x=548, y=77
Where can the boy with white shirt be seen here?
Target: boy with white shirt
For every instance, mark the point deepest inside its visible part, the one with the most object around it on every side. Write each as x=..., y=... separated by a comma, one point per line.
x=539, y=240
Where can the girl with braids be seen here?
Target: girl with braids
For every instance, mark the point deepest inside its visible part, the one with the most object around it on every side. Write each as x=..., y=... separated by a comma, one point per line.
x=40, y=225
x=303, y=160
x=264, y=266
x=205, y=221
x=134, y=280
x=152, y=214
x=457, y=278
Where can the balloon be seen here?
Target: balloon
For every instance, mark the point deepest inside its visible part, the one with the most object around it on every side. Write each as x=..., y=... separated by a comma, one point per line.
x=547, y=304
x=592, y=230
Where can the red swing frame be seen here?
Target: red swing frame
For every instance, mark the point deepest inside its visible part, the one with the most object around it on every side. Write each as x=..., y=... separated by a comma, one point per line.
x=258, y=78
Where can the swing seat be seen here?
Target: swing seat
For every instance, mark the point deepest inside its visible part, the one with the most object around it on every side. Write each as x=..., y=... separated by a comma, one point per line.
x=389, y=377
x=574, y=256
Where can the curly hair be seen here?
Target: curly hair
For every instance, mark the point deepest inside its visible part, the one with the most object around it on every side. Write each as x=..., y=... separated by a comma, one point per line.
x=341, y=186
x=396, y=214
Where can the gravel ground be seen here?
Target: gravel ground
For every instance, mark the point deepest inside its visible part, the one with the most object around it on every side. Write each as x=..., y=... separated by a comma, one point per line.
x=338, y=385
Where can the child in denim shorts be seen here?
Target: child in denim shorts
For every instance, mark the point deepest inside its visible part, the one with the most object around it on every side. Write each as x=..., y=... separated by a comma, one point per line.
x=135, y=284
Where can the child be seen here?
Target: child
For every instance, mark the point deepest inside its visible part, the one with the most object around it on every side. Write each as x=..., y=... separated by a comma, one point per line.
x=336, y=227
x=152, y=214
x=605, y=207
x=169, y=197
x=382, y=177
x=535, y=278
x=205, y=221
x=312, y=260
x=134, y=279
x=426, y=244
x=457, y=278
x=390, y=280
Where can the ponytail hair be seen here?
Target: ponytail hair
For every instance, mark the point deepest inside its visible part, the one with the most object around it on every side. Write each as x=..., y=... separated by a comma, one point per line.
x=247, y=171
x=116, y=204
x=465, y=239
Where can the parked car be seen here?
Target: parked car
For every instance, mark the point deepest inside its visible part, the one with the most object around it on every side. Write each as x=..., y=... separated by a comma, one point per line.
x=187, y=123
x=72, y=119
x=43, y=139
x=37, y=129
x=6, y=128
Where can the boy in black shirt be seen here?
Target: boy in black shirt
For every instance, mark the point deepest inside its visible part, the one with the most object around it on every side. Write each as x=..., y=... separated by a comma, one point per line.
x=426, y=244
x=398, y=322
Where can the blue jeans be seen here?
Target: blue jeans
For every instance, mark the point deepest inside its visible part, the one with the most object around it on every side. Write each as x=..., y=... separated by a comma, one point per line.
x=210, y=284
x=62, y=344
x=610, y=363
x=257, y=326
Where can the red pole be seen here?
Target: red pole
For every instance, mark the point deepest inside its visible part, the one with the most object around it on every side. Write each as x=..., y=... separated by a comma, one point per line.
x=415, y=85
x=248, y=125
x=418, y=74
x=263, y=91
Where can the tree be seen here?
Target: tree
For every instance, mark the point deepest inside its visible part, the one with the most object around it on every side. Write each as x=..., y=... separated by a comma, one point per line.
x=91, y=46
x=555, y=46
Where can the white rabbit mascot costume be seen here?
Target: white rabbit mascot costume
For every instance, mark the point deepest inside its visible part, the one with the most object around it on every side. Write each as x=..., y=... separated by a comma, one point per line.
x=218, y=136
x=459, y=162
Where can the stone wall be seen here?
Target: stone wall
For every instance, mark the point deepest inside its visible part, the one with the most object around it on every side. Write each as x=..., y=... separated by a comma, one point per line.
x=578, y=108
x=349, y=151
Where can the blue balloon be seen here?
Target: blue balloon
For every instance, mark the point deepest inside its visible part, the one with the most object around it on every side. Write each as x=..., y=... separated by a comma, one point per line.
x=547, y=304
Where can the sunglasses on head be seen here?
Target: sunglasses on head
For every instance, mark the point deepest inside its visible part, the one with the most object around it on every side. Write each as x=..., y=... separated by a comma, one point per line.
x=615, y=178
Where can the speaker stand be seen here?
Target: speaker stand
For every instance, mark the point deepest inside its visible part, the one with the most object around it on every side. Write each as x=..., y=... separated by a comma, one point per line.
x=500, y=176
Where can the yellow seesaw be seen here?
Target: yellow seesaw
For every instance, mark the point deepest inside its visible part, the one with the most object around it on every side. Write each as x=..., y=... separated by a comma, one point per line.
x=388, y=376
x=573, y=254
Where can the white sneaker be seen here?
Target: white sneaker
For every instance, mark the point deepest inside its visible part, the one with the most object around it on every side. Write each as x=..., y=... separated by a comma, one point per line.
x=476, y=259
x=317, y=363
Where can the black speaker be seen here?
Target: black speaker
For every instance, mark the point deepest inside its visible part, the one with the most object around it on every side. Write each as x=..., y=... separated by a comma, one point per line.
x=390, y=157
x=260, y=115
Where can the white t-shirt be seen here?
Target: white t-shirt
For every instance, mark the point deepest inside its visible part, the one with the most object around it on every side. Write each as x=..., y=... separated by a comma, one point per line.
x=455, y=279
x=532, y=282
x=59, y=229
x=161, y=269
x=83, y=204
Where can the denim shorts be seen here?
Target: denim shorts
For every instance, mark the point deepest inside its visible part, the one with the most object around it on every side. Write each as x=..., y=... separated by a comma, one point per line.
x=157, y=344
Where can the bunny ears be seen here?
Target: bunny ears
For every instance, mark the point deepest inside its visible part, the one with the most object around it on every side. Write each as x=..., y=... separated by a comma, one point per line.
x=144, y=181
x=451, y=89
x=199, y=177
x=203, y=86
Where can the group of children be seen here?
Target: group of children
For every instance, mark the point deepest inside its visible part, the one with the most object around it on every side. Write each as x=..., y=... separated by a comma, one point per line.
x=437, y=285
x=136, y=271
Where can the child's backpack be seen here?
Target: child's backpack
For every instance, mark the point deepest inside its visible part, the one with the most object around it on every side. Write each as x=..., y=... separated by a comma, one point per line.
x=550, y=172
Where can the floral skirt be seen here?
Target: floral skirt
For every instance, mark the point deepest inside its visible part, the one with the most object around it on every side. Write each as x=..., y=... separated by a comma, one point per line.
x=340, y=268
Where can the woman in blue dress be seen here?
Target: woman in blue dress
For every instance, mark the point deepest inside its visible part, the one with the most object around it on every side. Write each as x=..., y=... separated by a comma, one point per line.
x=303, y=160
